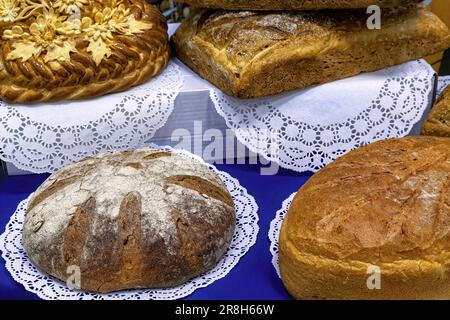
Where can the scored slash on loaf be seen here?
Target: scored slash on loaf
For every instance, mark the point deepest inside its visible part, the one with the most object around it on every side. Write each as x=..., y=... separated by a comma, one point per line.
x=249, y=54
x=141, y=219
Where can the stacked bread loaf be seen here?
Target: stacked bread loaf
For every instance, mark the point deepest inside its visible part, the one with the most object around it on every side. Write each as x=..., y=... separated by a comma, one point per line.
x=280, y=45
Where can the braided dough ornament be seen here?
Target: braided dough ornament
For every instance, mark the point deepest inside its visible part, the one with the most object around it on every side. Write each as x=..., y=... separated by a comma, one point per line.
x=77, y=49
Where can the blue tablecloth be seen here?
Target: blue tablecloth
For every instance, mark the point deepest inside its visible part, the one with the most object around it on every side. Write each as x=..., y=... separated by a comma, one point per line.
x=253, y=278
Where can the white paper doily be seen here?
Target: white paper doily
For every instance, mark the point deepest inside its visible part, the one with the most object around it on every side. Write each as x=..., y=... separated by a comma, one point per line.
x=45, y=137
x=24, y=272
x=274, y=231
x=443, y=83
x=307, y=129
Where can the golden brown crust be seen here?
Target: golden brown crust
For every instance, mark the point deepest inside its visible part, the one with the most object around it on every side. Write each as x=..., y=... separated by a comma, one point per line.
x=388, y=205
x=130, y=59
x=293, y=4
x=438, y=123
x=252, y=54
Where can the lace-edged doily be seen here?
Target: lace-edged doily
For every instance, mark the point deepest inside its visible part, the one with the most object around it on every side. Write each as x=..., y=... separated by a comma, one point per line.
x=274, y=231
x=307, y=129
x=443, y=83
x=24, y=272
x=45, y=137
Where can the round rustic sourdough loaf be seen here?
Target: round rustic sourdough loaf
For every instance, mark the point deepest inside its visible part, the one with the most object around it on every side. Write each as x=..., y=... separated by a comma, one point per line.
x=383, y=206
x=142, y=219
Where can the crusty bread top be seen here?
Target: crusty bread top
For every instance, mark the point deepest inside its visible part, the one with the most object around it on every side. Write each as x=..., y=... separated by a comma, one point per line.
x=293, y=4
x=239, y=40
x=110, y=177
x=53, y=50
x=438, y=123
x=385, y=201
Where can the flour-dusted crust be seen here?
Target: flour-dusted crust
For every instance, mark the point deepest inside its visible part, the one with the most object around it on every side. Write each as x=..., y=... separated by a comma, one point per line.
x=142, y=219
x=294, y=4
x=438, y=123
x=77, y=49
x=251, y=54
x=386, y=205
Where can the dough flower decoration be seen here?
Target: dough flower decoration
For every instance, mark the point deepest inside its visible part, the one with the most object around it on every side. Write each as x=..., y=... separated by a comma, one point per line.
x=49, y=33
x=115, y=20
x=16, y=10
x=56, y=27
x=9, y=10
x=66, y=5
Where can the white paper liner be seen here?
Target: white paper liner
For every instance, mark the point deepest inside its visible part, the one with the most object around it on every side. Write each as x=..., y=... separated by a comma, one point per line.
x=443, y=83
x=307, y=129
x=44, y=137
x=274, y=231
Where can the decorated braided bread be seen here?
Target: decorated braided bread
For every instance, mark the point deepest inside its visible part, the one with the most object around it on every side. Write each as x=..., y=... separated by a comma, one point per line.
x=77, y=49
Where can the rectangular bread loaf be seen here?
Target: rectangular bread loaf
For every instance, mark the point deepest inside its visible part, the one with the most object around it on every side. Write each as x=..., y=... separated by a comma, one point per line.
x=251, y=54
x=294, y=4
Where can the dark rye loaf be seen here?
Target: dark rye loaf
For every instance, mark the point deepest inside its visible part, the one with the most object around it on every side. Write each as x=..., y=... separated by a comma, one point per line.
x=143, y=219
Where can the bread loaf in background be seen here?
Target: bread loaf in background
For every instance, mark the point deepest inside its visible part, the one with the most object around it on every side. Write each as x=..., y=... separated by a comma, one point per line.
x=250, y=54
x=294, y=4
x=385, y=205
x=142, y=219
x=438, y=123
